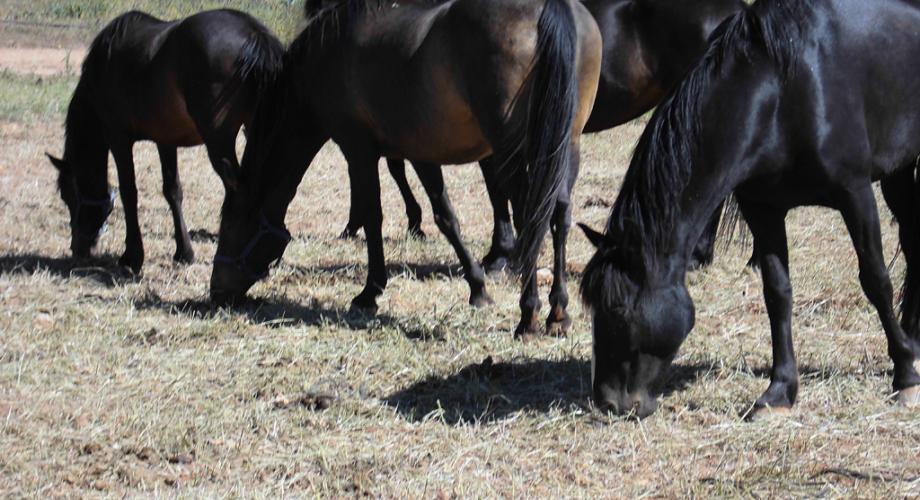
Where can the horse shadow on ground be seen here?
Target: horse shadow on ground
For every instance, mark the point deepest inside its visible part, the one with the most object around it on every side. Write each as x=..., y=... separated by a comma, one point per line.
x=488, y=392
x=416, y=271
x=202, y=236
x=268, y=312
x=102, y=269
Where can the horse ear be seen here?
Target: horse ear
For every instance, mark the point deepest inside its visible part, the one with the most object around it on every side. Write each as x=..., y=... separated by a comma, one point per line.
x=230, y=175
x=596, y=238
x=62, y=166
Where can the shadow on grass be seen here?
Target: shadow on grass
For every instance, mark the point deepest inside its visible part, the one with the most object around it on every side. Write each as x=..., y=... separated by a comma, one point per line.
x=202, y=235
x=488, y=392
x=271, y=313
x=420, y=272
x=104, y=269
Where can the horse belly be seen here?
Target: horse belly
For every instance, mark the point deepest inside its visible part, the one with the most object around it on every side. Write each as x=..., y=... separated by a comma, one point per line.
x=447, y=143
x=435, y=125
x=163, y=117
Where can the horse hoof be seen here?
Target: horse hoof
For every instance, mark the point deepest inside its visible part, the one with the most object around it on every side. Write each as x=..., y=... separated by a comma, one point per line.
x=910, y=397
x=556, y=328
x=364, y=305
x=132, y=263
x=526, y=332
x=184, y=257
x=481, y=300
x=763, y=413
x=348, y=233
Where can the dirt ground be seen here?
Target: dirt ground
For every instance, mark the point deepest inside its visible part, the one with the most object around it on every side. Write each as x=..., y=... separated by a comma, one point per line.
x=41, y=61
x=117, y=385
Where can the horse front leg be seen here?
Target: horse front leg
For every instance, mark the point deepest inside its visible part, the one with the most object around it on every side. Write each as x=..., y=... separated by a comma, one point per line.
x=133, y=256
x=362, y=169
x=769, y=229
x=860, y=213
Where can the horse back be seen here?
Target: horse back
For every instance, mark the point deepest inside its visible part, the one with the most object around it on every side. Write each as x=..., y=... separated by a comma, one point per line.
x=866, y=110
x=160, y=81
x=428, y=76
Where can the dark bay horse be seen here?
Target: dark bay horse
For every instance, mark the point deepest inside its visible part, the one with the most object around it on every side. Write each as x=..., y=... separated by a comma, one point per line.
x=648, y=47
x=796, y=102
x=178, y=84
x=438, y=82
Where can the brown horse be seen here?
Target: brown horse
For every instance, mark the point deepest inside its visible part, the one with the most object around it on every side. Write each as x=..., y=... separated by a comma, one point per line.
x=648, y=46
x=178, y=84
x=439, y=82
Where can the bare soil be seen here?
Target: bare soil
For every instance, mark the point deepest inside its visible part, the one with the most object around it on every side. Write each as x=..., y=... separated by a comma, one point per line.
x=41, y=61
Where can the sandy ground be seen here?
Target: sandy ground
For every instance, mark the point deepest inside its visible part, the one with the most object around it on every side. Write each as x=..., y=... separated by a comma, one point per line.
x=41, y=61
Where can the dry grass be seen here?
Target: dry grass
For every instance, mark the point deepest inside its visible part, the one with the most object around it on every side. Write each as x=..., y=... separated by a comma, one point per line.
x=113, y=385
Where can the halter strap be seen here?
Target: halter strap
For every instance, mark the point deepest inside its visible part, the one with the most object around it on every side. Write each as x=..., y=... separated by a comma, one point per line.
x=107, y=204
x=265, y=229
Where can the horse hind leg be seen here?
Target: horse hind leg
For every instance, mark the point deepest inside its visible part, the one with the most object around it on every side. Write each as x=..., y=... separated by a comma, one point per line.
x=365, y=176
x=499, y=257
x=558, y=321
x=172, y=191
x=861, y=216
x=433, y=180
x=397, y=170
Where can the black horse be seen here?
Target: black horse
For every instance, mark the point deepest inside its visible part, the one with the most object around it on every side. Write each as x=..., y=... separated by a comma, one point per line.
x=796, y=102
x=178, y=84
x=439, y=82
x=649, y=45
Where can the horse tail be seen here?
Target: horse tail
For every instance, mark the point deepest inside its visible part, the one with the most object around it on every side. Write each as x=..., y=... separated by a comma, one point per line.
x=258, y=65
x=549, y=125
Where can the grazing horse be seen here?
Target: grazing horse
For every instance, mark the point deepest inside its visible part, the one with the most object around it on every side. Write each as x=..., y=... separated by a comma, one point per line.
x=796, y=102
x=178, y=84
x=648, y=47
x=439, y=82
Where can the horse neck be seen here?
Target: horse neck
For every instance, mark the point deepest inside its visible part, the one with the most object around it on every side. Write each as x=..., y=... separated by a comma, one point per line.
x=85, y=148
x=723, y=158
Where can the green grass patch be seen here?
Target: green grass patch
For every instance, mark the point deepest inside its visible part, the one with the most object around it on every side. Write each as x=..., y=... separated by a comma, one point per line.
x=282, y=16
x=30, y=98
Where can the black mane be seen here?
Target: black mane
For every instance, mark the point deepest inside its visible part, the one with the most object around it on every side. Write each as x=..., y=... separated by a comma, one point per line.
x=642, y=219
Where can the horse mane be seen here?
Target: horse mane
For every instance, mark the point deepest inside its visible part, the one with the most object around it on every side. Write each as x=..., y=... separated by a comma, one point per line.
x=100, y=51
x=643, y=217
